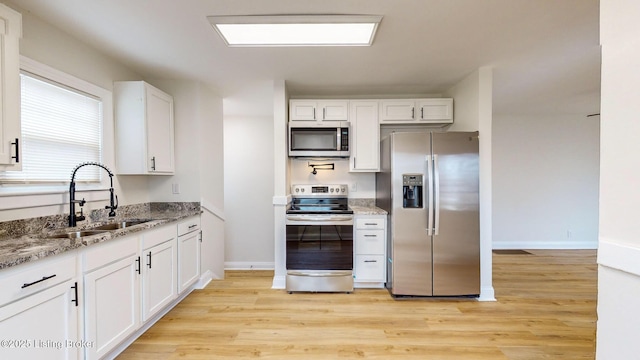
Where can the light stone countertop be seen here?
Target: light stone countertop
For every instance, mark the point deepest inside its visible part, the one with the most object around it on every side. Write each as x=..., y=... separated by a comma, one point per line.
x=37, y=244
x=365, y=207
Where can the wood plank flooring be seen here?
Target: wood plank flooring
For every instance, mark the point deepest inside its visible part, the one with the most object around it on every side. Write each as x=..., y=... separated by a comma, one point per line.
x=546, y=309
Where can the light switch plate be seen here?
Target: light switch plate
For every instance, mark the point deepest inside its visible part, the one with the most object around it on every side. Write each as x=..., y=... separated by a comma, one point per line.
x=175, y=188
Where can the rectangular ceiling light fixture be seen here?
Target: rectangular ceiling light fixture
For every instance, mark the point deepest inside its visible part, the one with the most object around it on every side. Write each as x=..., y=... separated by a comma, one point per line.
x=296, y=30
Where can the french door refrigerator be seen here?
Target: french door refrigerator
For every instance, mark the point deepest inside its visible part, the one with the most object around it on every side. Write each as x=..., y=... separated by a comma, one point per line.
x=429, y=184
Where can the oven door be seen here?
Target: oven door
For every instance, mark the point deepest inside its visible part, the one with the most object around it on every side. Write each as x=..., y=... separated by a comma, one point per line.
x=319, y=242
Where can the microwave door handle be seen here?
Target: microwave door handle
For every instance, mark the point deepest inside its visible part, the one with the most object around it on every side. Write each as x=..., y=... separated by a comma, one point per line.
x=338, y=139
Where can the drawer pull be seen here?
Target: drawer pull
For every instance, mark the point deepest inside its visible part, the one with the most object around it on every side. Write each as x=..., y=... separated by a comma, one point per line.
x=368, y=235
x=149, y=256
x=370, y=261
x=138, y=270
x=371, y=224
x=37, y=281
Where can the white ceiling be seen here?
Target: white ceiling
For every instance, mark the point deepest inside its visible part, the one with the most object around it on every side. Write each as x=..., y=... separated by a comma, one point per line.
x=545, y=53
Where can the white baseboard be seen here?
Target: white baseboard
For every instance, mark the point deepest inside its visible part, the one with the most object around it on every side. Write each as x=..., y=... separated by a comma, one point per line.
x=619, y=256
x=204, y=280
x=542, y=245
x=487, y=294
x=248, y=265
x=279, y=282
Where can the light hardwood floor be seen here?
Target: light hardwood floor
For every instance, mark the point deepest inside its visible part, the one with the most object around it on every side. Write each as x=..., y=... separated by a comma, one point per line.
x=545, y=309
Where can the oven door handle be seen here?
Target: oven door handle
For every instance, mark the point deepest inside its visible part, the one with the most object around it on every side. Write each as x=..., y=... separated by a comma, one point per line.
x=319, y=220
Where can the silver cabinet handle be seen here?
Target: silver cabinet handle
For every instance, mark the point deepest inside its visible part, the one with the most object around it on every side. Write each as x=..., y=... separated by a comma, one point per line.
x=324, y=113
x=153, y=163
x=413, y=112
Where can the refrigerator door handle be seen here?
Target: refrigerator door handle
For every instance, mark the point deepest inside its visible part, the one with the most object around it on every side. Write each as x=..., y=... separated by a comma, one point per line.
x=429, y=194
x=436, y=198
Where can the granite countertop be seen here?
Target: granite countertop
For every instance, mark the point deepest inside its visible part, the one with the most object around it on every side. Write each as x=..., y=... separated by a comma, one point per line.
x=365, y=207
x=28, y=240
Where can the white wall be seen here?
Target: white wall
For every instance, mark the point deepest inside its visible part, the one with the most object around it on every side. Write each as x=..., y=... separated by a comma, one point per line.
x=473, y=111
x=619, y=240
x=199, y=162
x=545, y=181
x=361, y=185
x=249, y=177
x=50, y=46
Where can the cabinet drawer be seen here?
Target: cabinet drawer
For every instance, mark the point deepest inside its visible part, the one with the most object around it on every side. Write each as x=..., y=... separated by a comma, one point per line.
x=370, y=223
x=370, y=268
x=370, y=242
x=102, y=254
x=35, y=277
x=189, y=225
x=158, y=235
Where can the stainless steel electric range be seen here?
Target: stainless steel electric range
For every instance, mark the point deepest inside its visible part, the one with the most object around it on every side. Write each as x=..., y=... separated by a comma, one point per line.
x=319, y=228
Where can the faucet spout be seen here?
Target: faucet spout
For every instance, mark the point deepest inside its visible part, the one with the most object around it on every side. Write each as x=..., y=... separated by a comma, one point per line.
x=113, y=199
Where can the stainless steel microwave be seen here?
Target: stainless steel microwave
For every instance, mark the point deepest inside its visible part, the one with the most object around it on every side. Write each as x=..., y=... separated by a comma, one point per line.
x=329, y=139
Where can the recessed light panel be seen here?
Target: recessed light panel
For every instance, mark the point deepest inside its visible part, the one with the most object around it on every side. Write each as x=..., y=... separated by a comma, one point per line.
x=299, y=30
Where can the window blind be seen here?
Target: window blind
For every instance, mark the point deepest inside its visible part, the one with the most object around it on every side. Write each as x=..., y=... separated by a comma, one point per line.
x=61, y=128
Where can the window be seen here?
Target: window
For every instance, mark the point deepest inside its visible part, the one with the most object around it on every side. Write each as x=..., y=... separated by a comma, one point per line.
x=61, y=128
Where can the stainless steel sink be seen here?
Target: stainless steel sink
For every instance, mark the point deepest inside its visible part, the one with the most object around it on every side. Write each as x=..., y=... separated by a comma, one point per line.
x=77, y=234
x=120, y=225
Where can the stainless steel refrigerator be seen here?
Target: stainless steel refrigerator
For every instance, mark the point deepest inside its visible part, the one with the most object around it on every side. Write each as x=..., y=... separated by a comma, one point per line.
x=429, y=184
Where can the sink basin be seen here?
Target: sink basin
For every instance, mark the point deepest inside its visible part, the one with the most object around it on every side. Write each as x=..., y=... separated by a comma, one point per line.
x=77, y=234
x=120, y=225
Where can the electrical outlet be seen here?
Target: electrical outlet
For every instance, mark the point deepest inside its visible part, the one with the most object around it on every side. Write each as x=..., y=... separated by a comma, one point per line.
x=175, y=188
x=353, y=187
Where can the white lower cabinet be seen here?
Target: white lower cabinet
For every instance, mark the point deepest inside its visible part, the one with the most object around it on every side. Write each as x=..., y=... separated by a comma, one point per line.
x=159, y=270
x=189, y=237
x=127, y=282
x=370, y=245
x=39, y=311
x=112, y=294
x=86, y=303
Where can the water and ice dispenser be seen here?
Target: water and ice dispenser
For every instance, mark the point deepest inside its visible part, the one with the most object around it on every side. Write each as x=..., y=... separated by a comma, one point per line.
x=412, y=191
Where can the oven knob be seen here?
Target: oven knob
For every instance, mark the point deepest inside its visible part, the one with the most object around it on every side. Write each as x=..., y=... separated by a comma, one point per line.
x=344, y=189
x=297, y=190
x=302, y=190
x=331, y=189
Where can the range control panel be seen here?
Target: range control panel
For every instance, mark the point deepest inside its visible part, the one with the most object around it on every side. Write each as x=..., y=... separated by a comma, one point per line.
x=341, y=190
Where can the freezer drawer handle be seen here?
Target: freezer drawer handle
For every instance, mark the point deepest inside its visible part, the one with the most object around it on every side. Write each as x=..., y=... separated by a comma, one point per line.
x=37, y=281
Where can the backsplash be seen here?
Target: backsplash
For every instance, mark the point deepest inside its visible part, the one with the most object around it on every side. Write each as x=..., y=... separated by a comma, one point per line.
x=155, y=210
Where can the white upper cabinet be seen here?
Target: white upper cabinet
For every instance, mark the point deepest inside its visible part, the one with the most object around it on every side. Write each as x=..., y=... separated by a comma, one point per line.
x=417, y=111
x=318, y=110
x=10, y=141
x=144, y=129
x=365, y=136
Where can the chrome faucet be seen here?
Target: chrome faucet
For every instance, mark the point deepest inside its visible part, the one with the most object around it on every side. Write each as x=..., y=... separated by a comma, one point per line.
x=113, y=199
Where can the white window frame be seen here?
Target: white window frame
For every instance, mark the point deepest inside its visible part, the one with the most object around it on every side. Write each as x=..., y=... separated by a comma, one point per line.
x=20, y=196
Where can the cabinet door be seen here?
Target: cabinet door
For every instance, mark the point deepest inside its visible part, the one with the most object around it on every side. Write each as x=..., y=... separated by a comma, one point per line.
x=397, y=111
x=42, y=326
x=334, y=110
x=160, y=140
x=158, y=277
x=303, y=110
x=10, y=135
x=189, y=260
x=365, y=137
x=112, y=305
x=436, y=110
